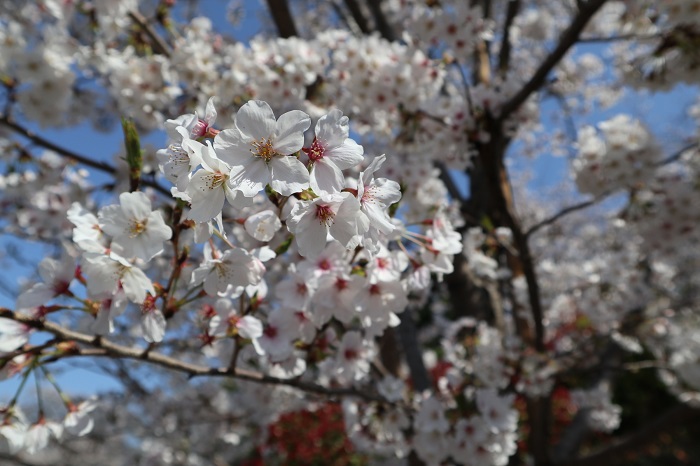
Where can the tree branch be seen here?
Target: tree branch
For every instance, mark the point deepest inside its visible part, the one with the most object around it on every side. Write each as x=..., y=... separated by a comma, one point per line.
x=282, y=16
x=562, y=213
x=622, y=37
x=81, y=159
x=105, y=348
x=158, y=43
x=504, y=53
x=566, y=41
x=382, y=25
x=358, y=16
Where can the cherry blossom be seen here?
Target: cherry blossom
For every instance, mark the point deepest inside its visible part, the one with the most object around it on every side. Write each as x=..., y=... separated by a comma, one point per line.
x=259, y=148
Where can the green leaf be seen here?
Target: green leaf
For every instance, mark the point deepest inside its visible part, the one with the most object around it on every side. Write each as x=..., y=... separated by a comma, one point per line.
x=134, y=156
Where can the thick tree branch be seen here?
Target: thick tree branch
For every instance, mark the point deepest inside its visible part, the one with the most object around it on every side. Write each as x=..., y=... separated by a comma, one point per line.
x=282, y=16
x=358, y=16
x=412, y=350
x=81, y=159
x=105, y=348
x=504, y=54
x=382, y=25
x=568, y=38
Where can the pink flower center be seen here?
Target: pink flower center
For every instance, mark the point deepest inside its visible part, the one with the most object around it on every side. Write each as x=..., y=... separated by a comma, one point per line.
x=341, y=284
x=350, y=354
x=316, y=151
x=325, y=214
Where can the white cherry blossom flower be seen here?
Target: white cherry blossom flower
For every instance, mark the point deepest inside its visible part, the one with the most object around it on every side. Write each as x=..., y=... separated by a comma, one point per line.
x=259, y=148
x=134, y=227
x=335, y=214
x=331, y=152
x=209, y=186
x=57, y=277
x=263, y=225
x=376, y=195
x=12, y=335
x=107, y=273
x=228, y=322
x=78, y=421
x=235, y=267
x=87, y=233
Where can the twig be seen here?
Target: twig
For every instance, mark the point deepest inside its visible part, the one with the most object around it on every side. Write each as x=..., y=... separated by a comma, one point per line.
x=675, y=156
x=565, y=211
x=622, y=37
x=105, y=348
x=158, y=42
x=568, y=38
x=81, y=159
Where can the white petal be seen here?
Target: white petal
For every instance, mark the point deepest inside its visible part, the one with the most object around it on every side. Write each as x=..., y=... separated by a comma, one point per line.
x=312, y=240
x=289, y=136
x=136, y=284
x=251, y=178
x=326, y=177
x=37, y=295
x=348, y=155
x=256, y=120
x=250, y=327
x=153, y=326
x=135, y=205
x=332, y=129
x=233, y=147
x=288, y=175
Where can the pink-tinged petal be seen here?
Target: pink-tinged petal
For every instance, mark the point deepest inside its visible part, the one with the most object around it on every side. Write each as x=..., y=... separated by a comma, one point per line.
x=288, y=175
x=49, y=269
x=250, y=327
x=386, y=191
x=250, y=178
x=135, y=205
x=347, y=155
x=37, y=295
x=332, y=129
x=102, y=273
x=153, y=326
x=210, y=112
x=312, y=240
x=136, y=284
x=326, y=177
x=233, y=147
x=289, y=136
x=256, y=121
